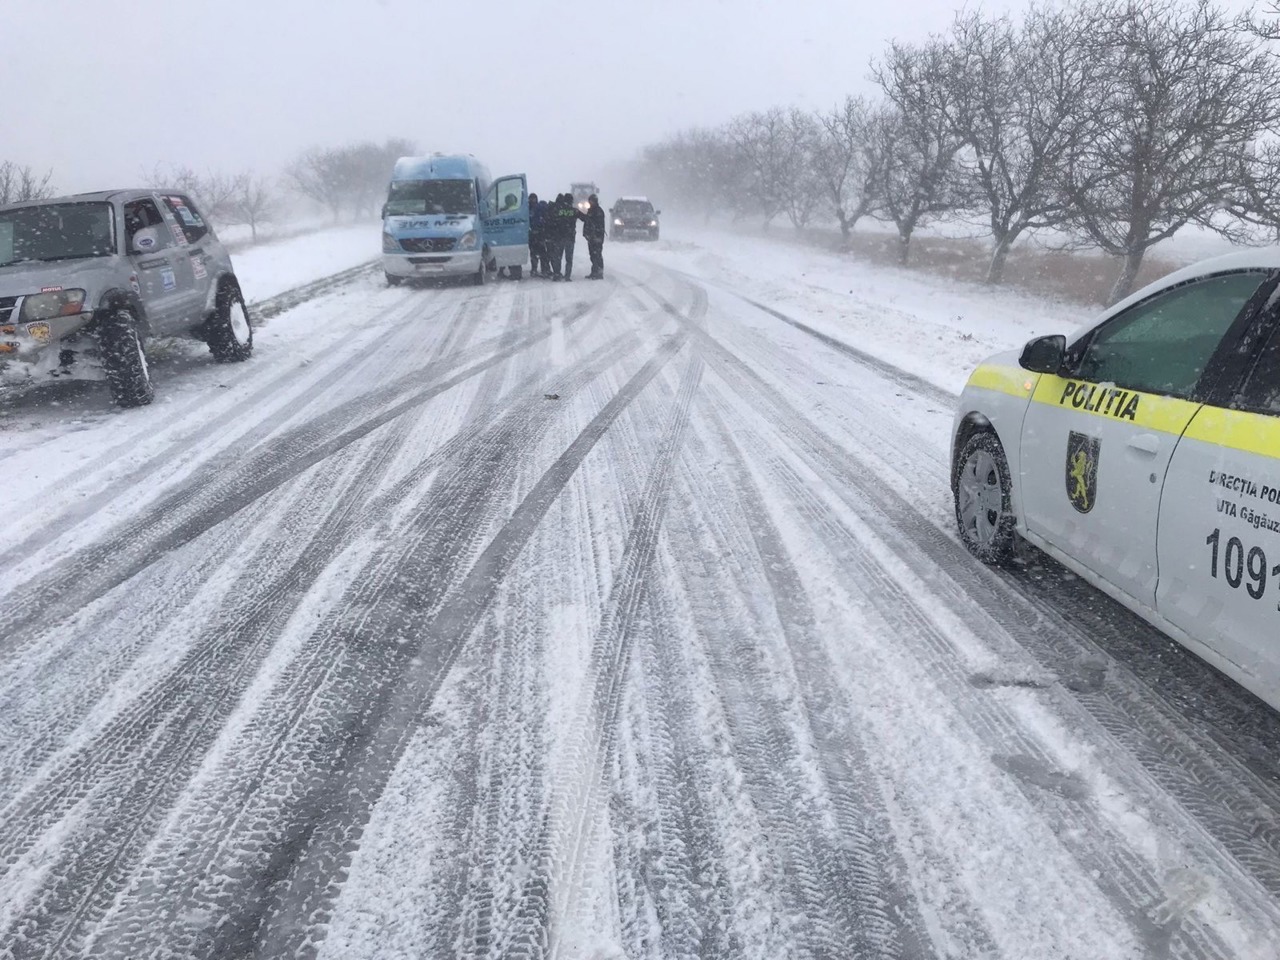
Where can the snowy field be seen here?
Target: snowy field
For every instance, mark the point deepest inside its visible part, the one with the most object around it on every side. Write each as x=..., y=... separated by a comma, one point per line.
x=590, y=620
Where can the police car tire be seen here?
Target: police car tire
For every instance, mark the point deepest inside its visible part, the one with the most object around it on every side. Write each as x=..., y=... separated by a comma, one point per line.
x=227, y=342
x=998, y=548
x=123, y=360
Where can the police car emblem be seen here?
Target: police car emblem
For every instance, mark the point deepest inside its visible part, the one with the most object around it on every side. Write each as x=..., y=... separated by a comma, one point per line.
x=1082, y=470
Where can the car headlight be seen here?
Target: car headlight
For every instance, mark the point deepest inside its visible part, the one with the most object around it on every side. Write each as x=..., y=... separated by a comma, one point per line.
x=389, y=243
x=653, y=223
x=468, y=241
x=55, y=303
x=617, y=221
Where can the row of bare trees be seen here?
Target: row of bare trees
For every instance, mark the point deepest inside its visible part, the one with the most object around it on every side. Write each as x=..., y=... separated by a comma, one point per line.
x=1111, y=123
x=346, y=181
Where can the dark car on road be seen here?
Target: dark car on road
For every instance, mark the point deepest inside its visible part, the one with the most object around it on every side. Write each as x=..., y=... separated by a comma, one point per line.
x=634, y=217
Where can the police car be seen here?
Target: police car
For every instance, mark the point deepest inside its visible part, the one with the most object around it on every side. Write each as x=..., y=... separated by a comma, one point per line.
x=1144, y=454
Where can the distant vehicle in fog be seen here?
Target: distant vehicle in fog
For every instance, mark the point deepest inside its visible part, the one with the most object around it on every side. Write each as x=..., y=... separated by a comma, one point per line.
x=445, y=217
x=88, y=277
x=634, y=217
x=580, y=193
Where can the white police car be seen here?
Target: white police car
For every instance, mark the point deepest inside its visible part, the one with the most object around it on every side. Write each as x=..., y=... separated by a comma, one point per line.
x=1144, y=453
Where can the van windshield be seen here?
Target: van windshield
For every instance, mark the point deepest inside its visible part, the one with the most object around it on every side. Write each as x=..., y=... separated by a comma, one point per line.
x=56, y=231
x=411, y=197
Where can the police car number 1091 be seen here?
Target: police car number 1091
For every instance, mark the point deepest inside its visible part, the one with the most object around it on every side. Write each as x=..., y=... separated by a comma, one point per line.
x=1235, y=564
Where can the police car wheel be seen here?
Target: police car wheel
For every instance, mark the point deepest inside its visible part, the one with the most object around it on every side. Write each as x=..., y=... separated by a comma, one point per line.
x=228, y=332
x=984, y=512
x=125, y=364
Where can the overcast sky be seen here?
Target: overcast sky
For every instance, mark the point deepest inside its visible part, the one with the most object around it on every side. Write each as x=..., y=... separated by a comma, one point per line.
x=100, y=90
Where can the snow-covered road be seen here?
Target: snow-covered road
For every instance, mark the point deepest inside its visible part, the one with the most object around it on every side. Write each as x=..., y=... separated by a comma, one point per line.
x=599, y=620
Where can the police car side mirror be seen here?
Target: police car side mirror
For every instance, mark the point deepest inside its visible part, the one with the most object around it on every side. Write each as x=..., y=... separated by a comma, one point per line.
x=1044, y=354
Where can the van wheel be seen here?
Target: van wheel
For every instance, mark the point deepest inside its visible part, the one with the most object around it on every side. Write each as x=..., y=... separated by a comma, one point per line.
x=123, y=359
x=983, y=499
x=515, y=273
x=480, y=275
x=228, y=332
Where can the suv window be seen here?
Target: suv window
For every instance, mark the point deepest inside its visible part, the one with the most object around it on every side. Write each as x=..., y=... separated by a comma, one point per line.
x=1163, y=345
x=188, y=217
x=140, y=214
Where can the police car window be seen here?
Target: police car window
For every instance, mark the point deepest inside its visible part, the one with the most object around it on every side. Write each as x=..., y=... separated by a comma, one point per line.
x=1261, y=392
x=1163, y=345
x=142, y=214
x=189, y=219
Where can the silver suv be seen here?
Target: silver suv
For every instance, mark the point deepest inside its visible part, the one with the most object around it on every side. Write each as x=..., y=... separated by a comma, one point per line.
x=89, y=277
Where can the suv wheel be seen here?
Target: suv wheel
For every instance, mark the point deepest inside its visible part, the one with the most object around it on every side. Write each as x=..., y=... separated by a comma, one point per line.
x=984, y=511
x=228, y=332
x=123, y=359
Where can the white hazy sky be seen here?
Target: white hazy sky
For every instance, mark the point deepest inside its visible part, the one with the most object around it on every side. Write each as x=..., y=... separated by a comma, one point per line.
x=100, y=90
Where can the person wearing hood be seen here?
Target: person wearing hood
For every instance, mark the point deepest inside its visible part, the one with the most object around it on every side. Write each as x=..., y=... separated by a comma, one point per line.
x=593, y=231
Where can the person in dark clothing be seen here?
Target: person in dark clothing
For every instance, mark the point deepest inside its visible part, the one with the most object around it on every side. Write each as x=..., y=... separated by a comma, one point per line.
x=544, y=236
x=567, y=216
x=535, y=235
x=553, y=230
x=593, y=231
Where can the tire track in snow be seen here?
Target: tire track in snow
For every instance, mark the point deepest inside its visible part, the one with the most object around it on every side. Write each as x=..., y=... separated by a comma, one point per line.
x=332, y=835
x=1237, y=808
x=250, y=414
x=209, y=498
x=211, y=682
x=1123, y=875
x=305, y=838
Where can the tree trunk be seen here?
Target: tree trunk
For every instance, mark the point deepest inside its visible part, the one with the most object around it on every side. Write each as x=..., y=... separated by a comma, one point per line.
x=1129, y=268
x=904, y=246
x=999, y=256
x=845, y=228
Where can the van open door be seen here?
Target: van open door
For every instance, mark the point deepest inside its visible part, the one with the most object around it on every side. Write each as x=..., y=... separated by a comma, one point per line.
x=506, y=223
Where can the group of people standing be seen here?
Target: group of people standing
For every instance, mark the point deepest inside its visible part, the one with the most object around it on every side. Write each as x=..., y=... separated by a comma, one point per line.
x=553, y=230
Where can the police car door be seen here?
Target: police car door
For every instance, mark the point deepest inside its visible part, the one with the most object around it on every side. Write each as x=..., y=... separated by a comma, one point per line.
x=1220, y=525
x=1097, y=439
x=506, y=221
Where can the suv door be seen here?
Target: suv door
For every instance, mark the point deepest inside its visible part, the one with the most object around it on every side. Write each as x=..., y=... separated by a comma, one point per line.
x=1097, y=440
x=1220, y=522
x=156, y=267
x=506, y=221
x=193, y=235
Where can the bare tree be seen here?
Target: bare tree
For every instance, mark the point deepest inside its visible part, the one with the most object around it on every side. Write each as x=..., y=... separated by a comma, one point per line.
x=1022, y=103
x=212, y=190
x=1189, y=92
x=915, y=140
x=763, y=140
x=350, y=178
x=801, y=190
x=842, y=164
x=254, y=203
x=18, y=184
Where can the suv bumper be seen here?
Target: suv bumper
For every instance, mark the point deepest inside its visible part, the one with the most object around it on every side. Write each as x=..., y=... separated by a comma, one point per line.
x=456, y=263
